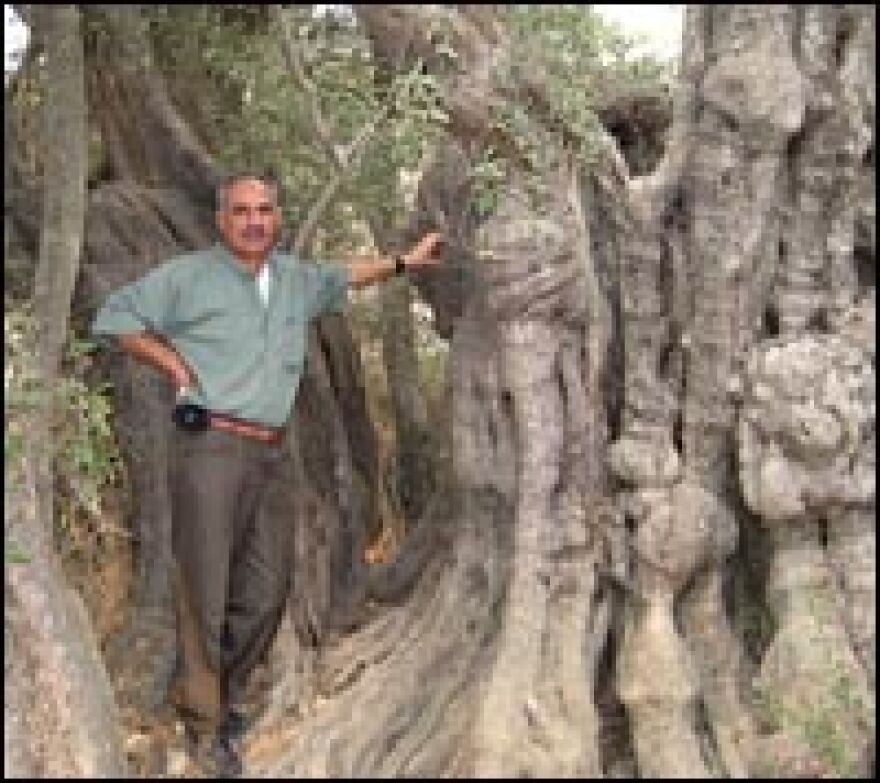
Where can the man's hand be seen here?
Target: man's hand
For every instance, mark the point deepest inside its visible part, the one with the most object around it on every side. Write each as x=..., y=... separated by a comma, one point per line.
x=182, y=379
x=155, y=351
x=424, y=252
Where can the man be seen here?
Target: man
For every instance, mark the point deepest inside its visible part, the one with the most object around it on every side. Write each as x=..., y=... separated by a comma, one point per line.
x=228, y=327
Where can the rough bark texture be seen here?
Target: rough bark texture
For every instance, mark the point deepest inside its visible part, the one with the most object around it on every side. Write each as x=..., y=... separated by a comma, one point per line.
x=55, y=727
x=806, y=444
x=663, y=420
x=760, y=98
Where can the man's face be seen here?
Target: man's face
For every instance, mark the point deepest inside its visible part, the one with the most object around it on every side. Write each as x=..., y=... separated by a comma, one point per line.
x=249, y=219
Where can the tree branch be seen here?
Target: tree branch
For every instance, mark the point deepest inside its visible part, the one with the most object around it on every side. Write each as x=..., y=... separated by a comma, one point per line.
x=481, y=44
x=292, y=58
x=346, y=162
x=345, y=158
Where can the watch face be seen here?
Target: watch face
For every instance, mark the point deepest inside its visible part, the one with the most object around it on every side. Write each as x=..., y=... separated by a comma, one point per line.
x=191, y=417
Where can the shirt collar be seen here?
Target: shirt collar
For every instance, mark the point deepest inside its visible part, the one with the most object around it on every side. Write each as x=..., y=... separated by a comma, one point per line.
x=224, y=253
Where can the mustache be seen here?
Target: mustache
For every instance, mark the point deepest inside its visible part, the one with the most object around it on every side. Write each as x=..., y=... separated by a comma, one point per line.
x=253, y=232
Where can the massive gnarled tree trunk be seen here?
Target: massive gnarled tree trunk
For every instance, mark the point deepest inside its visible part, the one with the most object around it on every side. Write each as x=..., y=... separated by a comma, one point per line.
x=626, y=309
x=662, y=420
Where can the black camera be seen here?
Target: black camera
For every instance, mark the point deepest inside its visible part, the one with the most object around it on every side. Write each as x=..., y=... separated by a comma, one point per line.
x=191, y=417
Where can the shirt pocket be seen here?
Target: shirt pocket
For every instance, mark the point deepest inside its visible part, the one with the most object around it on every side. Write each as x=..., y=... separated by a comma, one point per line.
x=211, y=318
x=198, y=316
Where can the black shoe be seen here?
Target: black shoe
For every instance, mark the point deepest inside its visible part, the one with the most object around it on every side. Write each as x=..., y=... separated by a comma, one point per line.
x=216, y=755
x=224, y=758
x=236, y=725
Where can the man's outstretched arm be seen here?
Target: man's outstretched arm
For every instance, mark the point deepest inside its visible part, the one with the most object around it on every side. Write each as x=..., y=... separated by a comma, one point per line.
x=367, y=269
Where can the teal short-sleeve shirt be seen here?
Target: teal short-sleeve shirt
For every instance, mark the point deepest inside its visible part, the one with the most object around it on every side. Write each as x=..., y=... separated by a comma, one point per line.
x=247, y=355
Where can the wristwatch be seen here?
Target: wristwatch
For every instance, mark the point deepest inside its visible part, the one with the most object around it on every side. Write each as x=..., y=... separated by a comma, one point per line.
x=399, y=265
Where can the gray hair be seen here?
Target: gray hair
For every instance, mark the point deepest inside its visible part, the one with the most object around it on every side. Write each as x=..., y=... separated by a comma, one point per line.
x=222, y=189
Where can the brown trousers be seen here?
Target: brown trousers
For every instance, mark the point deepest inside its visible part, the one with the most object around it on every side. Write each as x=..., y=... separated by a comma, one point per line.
x=231, y=542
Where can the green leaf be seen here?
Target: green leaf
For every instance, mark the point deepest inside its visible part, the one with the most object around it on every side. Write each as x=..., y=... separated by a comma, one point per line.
x=15, y=554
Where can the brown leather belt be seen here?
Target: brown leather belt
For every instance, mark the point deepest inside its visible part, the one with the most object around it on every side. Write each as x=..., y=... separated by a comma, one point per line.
x=220, y=421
